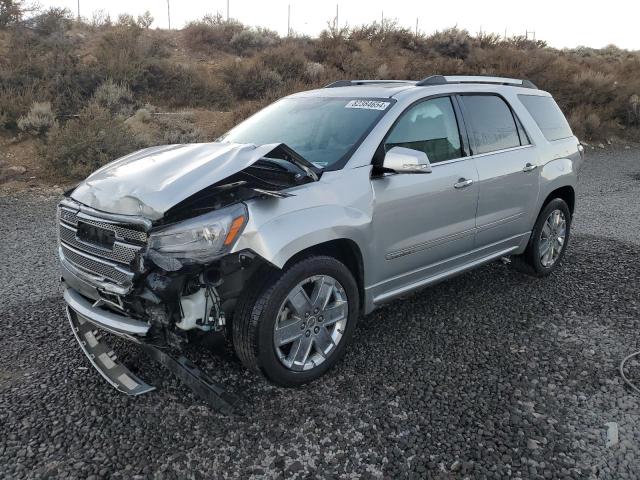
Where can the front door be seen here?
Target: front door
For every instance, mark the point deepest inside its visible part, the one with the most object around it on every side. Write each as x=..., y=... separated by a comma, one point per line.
x=423, y=223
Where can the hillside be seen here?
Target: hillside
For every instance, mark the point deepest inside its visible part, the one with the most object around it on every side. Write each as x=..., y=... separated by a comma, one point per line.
x=76, y=95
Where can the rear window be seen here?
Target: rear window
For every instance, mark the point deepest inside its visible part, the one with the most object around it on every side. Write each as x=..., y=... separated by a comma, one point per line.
x=548, y=116
x=491, y=123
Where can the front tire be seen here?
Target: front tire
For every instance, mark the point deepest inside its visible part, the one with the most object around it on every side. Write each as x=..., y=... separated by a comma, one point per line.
x=294, y=325
x=549, y=240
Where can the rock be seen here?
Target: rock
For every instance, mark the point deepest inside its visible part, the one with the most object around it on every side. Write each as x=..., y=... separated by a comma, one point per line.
x=16, y=170
x=612, y=434
x=532, y=444
x=601, y=145
x=455, y=466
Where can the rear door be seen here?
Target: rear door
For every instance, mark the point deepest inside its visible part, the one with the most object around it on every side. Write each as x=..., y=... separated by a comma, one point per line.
x=423, y=223
x=508, y=171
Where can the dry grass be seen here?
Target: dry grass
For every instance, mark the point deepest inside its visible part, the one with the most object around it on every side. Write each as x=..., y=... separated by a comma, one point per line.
x=224, y=71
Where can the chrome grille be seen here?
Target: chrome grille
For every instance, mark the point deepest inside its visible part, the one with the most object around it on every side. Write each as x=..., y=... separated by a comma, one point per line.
x=129, y=232
x=102, y=263
x=95, y=266
x=122, y=252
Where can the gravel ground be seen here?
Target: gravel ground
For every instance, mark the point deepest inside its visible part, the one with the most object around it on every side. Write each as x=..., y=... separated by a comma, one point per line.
x=491, y=374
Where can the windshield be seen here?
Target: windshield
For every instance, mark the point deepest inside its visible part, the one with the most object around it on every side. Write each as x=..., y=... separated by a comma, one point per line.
x=323, y=130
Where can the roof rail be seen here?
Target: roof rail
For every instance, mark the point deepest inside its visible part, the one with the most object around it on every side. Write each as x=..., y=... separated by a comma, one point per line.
x=350, y=83
x=447, y=79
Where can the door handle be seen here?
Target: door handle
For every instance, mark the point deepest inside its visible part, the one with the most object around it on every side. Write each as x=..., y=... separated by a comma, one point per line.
x=462, y=183
x=529, y=167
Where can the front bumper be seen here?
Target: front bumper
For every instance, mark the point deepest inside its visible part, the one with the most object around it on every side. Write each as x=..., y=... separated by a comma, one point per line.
x=87, y=319
x=106, y=319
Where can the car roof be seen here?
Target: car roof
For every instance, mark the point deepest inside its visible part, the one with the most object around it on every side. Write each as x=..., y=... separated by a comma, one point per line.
x=370, y=90
x=435, y=84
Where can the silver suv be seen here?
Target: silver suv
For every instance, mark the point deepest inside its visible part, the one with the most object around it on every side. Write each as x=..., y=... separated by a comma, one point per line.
x=311, y=213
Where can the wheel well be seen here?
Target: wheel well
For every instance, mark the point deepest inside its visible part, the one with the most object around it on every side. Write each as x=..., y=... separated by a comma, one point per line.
x=344, y=250
x=566, y=193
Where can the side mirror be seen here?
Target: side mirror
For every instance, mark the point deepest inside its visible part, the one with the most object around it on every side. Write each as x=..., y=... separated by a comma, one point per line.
x=406, y=160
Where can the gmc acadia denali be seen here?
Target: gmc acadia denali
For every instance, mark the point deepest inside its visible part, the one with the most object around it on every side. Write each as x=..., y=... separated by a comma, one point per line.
x=311, y=213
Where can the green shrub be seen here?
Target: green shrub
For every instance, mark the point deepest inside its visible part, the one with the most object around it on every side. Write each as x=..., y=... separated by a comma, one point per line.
x=12, y=11
x=314, y=71
x=14, y=103
x=86, y=143
x=452, y=42
x=145, y=20
x=120, y=54
x=390, y=35
x=210, y=34
x=251, y=40
x=288, y=62
x=53, y=20
x=115, y=97
x=176, y=86
x=153, y=128
x=250, y=80
x=39, y=120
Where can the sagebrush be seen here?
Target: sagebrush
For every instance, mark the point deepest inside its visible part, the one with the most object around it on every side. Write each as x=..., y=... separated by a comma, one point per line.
x=98, y=74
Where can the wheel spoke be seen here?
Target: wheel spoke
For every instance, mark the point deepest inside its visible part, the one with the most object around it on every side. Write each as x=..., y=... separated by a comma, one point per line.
x=324, y=342
x=546, y=230
x=544, y=247
x=300, y=352
x=334, y=313
x=289, y=332
x=299, y=301
x=322, y=291
x=562, y=232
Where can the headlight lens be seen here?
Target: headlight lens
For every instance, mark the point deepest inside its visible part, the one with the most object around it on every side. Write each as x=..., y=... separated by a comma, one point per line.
x=203, y=238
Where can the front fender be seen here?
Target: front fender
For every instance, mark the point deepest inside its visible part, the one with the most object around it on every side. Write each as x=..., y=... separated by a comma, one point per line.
x=337, y=207
x=280, y=239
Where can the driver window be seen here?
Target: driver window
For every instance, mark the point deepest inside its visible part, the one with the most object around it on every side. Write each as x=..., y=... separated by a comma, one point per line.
x=430, y=127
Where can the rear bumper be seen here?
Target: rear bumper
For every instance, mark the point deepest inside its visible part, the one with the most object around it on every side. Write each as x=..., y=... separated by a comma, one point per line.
x=105, y=319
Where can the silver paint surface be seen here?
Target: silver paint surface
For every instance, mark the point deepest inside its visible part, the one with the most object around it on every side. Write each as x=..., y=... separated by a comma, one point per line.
x=411, y=229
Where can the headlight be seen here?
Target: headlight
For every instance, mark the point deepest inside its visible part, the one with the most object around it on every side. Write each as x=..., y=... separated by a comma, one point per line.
x=203, y=238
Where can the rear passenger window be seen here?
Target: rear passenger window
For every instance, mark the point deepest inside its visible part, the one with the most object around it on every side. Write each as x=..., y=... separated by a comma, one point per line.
x=548, y=116
x=490, y=123
x=430, y=127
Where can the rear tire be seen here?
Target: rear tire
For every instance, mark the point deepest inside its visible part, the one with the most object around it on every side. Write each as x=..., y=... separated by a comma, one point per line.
x=548, y=242
x=294, y=325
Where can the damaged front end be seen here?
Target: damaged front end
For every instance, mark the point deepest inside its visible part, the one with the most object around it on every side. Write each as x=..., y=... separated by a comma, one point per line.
x=159, y=271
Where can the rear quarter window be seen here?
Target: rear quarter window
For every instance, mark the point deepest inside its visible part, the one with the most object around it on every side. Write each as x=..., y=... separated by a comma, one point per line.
x=548, y=116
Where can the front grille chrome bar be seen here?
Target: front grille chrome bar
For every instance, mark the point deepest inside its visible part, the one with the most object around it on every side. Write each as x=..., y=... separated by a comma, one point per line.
x=95, y=266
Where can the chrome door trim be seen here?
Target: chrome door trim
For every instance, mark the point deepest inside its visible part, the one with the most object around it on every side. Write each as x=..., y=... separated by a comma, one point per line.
x=504, y=150
x=479, y=155
x=430, y=244
x=495, y=223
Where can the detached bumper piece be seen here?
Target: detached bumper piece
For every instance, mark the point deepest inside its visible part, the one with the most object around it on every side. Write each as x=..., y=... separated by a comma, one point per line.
x=103, y=358
x=88, y=319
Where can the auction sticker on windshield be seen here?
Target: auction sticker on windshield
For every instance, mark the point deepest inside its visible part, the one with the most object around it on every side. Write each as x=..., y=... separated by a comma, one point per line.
x=367, y=104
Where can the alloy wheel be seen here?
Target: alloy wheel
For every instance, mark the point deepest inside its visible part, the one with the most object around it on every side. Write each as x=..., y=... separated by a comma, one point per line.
x=310, y=323
x=552, y=238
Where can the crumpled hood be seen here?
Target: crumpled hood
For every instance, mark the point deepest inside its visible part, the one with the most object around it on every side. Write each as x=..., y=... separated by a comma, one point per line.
x=151, y=181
